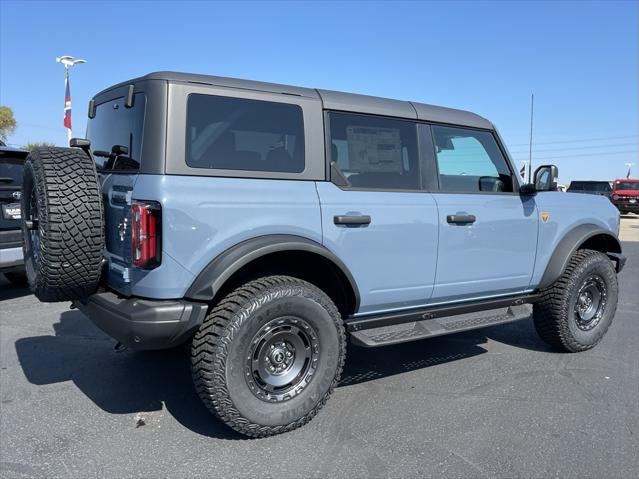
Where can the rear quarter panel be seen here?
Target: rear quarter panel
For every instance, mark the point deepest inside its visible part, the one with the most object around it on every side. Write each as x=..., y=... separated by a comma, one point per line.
x=204, y=216
x=566, y=211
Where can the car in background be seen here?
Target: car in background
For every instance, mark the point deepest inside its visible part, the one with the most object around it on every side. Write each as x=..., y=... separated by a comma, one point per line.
x=625, y=195
x=11, y=257
x=601, y=188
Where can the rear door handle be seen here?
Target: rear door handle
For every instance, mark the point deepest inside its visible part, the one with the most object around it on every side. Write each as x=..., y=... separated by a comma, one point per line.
x=461, y=219
x=352, y=220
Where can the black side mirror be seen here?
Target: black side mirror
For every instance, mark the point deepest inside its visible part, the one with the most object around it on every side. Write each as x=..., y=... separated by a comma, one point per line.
x=527, y=189
x=82, y=143
x=545, y=178
x=79, y=143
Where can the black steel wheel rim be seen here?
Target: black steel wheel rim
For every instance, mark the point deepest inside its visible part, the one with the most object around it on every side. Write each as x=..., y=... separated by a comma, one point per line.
x=281, y=359
x=590, y=302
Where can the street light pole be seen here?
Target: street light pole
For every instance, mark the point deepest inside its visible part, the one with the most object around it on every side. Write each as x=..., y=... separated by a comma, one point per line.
x=629, y=165
x=532, y=107
x=68, y=62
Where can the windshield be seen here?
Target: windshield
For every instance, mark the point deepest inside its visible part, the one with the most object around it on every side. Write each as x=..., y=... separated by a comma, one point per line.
x=589, y=186
x=627, y=185
x=117, y=128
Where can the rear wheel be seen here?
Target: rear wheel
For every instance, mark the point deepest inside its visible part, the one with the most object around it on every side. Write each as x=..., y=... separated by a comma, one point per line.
x=575, y=313
x=268, y=356
x=62, y=224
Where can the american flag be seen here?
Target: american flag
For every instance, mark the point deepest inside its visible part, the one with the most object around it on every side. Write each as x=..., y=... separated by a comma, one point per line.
x=522, y=172
x=67, y=102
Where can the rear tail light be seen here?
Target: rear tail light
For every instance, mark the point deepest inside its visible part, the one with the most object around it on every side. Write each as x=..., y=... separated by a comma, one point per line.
x=146, y=229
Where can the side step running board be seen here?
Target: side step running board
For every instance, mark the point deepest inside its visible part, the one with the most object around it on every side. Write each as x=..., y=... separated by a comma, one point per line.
x=430, y=328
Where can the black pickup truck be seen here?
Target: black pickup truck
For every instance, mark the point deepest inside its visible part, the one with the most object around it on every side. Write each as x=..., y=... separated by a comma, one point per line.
x=601, y=188
x=11, y=259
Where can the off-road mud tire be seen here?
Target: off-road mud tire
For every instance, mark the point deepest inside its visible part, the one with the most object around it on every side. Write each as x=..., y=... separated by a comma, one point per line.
x=220, y=348
x=555, y=315
x=63, y=246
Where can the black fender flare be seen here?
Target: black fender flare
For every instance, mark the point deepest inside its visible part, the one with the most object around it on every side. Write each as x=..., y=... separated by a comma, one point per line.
x=209, y=281
x=567, y=246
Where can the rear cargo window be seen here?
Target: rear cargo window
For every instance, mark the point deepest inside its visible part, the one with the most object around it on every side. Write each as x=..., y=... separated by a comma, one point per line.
x=10, y=171
x=113, y=127
x=239, y=134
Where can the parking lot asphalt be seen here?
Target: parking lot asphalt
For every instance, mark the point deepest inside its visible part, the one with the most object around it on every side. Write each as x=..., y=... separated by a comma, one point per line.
x=495, y=402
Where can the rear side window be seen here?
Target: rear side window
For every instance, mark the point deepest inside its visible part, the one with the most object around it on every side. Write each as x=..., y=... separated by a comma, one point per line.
x=239, y=134
x=470, y=161
x=374, y=152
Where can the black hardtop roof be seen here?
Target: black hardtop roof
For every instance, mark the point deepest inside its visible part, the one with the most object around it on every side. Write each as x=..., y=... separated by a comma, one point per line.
x=331, y=99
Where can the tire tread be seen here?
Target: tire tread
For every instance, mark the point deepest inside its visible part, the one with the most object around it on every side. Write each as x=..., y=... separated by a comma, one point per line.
x=71, y=223
x=209, y=350
x=550, y=314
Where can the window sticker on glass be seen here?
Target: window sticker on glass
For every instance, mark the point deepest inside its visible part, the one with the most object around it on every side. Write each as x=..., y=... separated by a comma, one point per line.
x=374, y=149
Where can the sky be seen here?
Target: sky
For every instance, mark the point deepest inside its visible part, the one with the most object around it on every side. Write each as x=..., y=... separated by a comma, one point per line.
x=580, y=59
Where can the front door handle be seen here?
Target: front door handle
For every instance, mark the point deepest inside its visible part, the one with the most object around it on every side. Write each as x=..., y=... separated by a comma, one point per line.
x=461, y=219
x=352, y=220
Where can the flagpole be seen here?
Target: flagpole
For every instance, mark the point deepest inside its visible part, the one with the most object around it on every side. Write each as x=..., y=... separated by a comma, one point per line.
x=532, y=107
x=68, y=62
x=67, y=86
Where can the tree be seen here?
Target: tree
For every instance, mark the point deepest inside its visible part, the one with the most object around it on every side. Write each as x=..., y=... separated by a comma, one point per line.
x=37, y=144
x=7, y=122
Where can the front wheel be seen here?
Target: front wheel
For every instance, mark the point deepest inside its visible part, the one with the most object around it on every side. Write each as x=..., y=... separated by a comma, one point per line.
x=268, y=356
x=575, y=313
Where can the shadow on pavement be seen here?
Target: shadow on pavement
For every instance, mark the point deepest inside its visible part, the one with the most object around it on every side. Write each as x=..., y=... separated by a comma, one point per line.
x=366, y=364
x=9, y=291
x=124, y=382
x=130, y=382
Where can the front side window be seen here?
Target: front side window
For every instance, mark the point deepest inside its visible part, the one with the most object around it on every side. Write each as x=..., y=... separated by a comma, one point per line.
x=470, y=161
x=239, y=134
x=375, y=153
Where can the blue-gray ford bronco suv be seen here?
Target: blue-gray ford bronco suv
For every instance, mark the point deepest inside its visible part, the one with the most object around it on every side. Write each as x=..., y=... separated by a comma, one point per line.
x=264, y=225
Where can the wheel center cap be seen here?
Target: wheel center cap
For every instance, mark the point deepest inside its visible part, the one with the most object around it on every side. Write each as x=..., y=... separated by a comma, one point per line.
x=277, y=356
x=585, y=300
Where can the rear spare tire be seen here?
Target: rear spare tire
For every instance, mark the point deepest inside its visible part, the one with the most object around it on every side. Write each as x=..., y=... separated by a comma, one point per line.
x=62, y=224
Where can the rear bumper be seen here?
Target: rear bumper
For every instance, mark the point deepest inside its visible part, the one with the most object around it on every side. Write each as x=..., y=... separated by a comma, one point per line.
x=11, y=259
x=143, y=323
